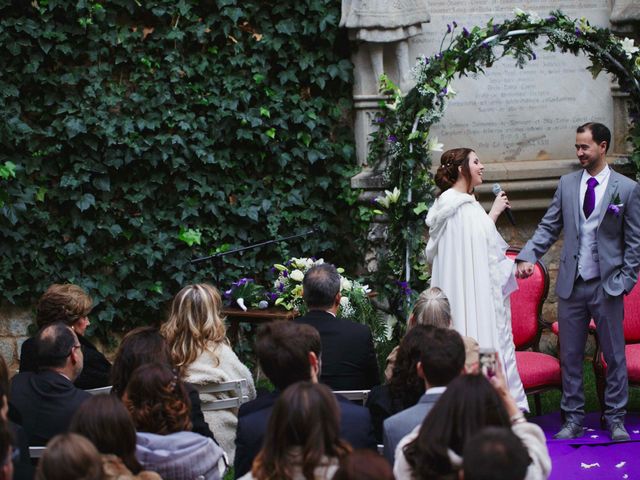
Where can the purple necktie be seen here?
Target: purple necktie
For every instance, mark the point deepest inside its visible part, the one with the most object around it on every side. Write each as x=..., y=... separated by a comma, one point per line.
x=590, y=197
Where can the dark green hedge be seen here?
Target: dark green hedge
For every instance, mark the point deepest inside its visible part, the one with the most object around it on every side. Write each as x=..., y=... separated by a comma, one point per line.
x=140, y=128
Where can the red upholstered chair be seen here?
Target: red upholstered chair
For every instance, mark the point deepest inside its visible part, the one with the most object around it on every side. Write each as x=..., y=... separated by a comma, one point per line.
x=539, y=372
x=632, y=346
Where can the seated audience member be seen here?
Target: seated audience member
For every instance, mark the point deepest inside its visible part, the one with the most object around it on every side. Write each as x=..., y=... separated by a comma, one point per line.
x=6, y=452
x=348, y=356
x=364, y=465
x=289, y=352
x=105, y=421
x=47, y=400
x=432, y=308
x=405, y=387
x=22, y=468
x=441, y=360
x=70, y=305
x=145, y=345
x=495, y=454
x=470, y=403
x=303, y=436
x=68, y=456
x=159, y=406
x=196, y=337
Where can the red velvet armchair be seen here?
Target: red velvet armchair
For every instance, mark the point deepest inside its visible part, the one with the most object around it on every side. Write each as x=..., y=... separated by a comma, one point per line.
x=539, y=372
x=632, y=346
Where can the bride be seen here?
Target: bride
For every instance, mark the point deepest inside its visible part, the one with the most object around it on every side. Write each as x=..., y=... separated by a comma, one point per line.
x=469, y=262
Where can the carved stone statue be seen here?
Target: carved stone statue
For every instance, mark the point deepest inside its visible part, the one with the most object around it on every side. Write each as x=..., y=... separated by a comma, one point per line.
x=380, y=22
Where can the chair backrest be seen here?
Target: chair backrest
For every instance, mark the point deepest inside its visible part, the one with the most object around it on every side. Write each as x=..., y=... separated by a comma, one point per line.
x=36, y=452
x=100, y=391
x=238, y=387
x=354, y=395
x=526, y=304
x=632, y=316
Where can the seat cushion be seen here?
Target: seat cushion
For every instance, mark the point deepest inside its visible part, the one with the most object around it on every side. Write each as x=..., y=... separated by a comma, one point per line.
x=538, y=369
x=632, y=353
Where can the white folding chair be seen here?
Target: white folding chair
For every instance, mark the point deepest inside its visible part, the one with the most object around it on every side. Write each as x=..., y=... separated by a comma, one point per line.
x=354, y=395
x=36, y=452
x=239, y=387
x=100, y=391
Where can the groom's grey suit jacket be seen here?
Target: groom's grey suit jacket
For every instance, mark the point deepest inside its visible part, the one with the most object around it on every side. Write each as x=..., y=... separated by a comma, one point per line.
x=618, y=236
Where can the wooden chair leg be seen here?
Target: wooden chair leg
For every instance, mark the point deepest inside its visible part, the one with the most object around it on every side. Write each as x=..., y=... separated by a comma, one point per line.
x=536, y=399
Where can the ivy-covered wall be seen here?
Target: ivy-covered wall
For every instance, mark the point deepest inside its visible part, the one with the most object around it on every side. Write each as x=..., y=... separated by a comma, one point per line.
x=136, y=135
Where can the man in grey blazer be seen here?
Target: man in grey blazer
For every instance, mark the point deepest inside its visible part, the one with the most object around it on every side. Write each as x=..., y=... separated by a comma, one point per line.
x=441, y=360
x=599, y=211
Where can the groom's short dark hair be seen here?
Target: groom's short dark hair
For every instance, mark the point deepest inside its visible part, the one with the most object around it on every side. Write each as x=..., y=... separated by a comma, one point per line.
x=599, y=132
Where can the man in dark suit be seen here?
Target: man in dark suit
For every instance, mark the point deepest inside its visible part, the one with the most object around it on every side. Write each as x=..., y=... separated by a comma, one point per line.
x=47, y=400
x=441, y=361
x=288, y=353
x=599, y=211
x=348, y=357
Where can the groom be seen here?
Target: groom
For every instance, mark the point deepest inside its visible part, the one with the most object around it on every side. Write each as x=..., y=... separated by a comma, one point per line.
x=599, y=211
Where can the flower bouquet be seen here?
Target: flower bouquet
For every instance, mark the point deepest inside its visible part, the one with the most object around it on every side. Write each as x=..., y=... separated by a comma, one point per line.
x=246, y=293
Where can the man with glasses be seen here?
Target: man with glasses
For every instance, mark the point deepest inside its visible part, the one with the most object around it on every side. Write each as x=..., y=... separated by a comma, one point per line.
x=47, y=400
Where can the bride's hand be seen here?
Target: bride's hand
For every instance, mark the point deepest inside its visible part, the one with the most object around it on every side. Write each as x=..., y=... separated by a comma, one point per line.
x=499, y=205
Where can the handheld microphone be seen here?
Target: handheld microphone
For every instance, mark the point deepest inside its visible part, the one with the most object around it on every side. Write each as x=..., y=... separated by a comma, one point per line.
x=496, y=189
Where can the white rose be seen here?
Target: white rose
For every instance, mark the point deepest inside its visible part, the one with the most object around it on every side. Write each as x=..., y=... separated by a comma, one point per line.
x=344, y=302
x=346, y=284
x=296, y=275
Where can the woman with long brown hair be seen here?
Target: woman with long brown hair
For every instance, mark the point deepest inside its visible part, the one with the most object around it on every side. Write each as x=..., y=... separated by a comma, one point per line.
x=196, y=336
x=469, y=262
x=105, y=421
x=303, y=436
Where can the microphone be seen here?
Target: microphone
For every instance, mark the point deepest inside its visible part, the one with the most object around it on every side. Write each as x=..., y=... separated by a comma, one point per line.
x=496, y=189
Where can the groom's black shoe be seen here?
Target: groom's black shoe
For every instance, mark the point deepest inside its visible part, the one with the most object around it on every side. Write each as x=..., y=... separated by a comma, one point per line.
x=618, y=432
x=569, y=430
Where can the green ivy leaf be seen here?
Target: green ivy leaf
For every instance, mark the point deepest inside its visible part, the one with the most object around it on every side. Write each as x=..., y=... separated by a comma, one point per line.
x=86, y=201
x=190, y=236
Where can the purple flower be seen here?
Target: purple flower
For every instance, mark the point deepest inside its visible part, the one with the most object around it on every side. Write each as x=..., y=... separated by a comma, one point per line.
x=281, y=287
x=426, y=60
x=404, y=286
x=455, y=24
x=484, y=44
x=272, y=296
x=496, y=28
x=551, y=19
x=448, y=28
x=533, y=55
x=285, y=274
x=378, y=120
x=465, y=32
x=228, y=293
x=272, y=269
x=444, y=91
x=578, y=32
x=392, y=138
x=614, y=210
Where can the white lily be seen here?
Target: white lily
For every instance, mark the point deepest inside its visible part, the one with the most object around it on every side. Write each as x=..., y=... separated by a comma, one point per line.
x=389, y=197
x=345, y=284
x=434, y=146
x=518, y=12
x=240, y=302
x=296, y=275
x=629, y=47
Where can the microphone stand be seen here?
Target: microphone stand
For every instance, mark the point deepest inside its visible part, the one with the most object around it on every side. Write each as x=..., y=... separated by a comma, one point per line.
x=217, y=257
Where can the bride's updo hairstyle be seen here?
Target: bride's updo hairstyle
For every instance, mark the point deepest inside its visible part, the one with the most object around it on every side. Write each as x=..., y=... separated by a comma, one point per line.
x=448, y=173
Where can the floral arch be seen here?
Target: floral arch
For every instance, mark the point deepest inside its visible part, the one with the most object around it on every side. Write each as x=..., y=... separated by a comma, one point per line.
x=401, y=147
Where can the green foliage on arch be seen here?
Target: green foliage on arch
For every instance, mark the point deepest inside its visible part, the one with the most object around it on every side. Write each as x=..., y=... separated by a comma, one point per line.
x=402, y=146
x=135, y=136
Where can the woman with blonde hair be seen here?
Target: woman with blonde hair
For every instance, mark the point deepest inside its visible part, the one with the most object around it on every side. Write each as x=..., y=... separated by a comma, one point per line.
x=433, y=308
x=197, y=340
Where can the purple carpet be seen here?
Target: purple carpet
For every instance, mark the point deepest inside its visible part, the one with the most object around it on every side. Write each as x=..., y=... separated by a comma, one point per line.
x=594, y=455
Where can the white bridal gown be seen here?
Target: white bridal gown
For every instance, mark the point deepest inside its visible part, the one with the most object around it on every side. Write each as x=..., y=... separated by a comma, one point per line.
x=471, y=268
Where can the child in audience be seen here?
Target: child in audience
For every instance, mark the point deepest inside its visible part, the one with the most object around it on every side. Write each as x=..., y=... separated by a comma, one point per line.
x=70, y=456
x=303, y=436
x=159, y=407
x=105, y=421
x=196, y=336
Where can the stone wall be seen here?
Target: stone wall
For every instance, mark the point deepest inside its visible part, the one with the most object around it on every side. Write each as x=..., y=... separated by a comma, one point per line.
x=14, y=325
